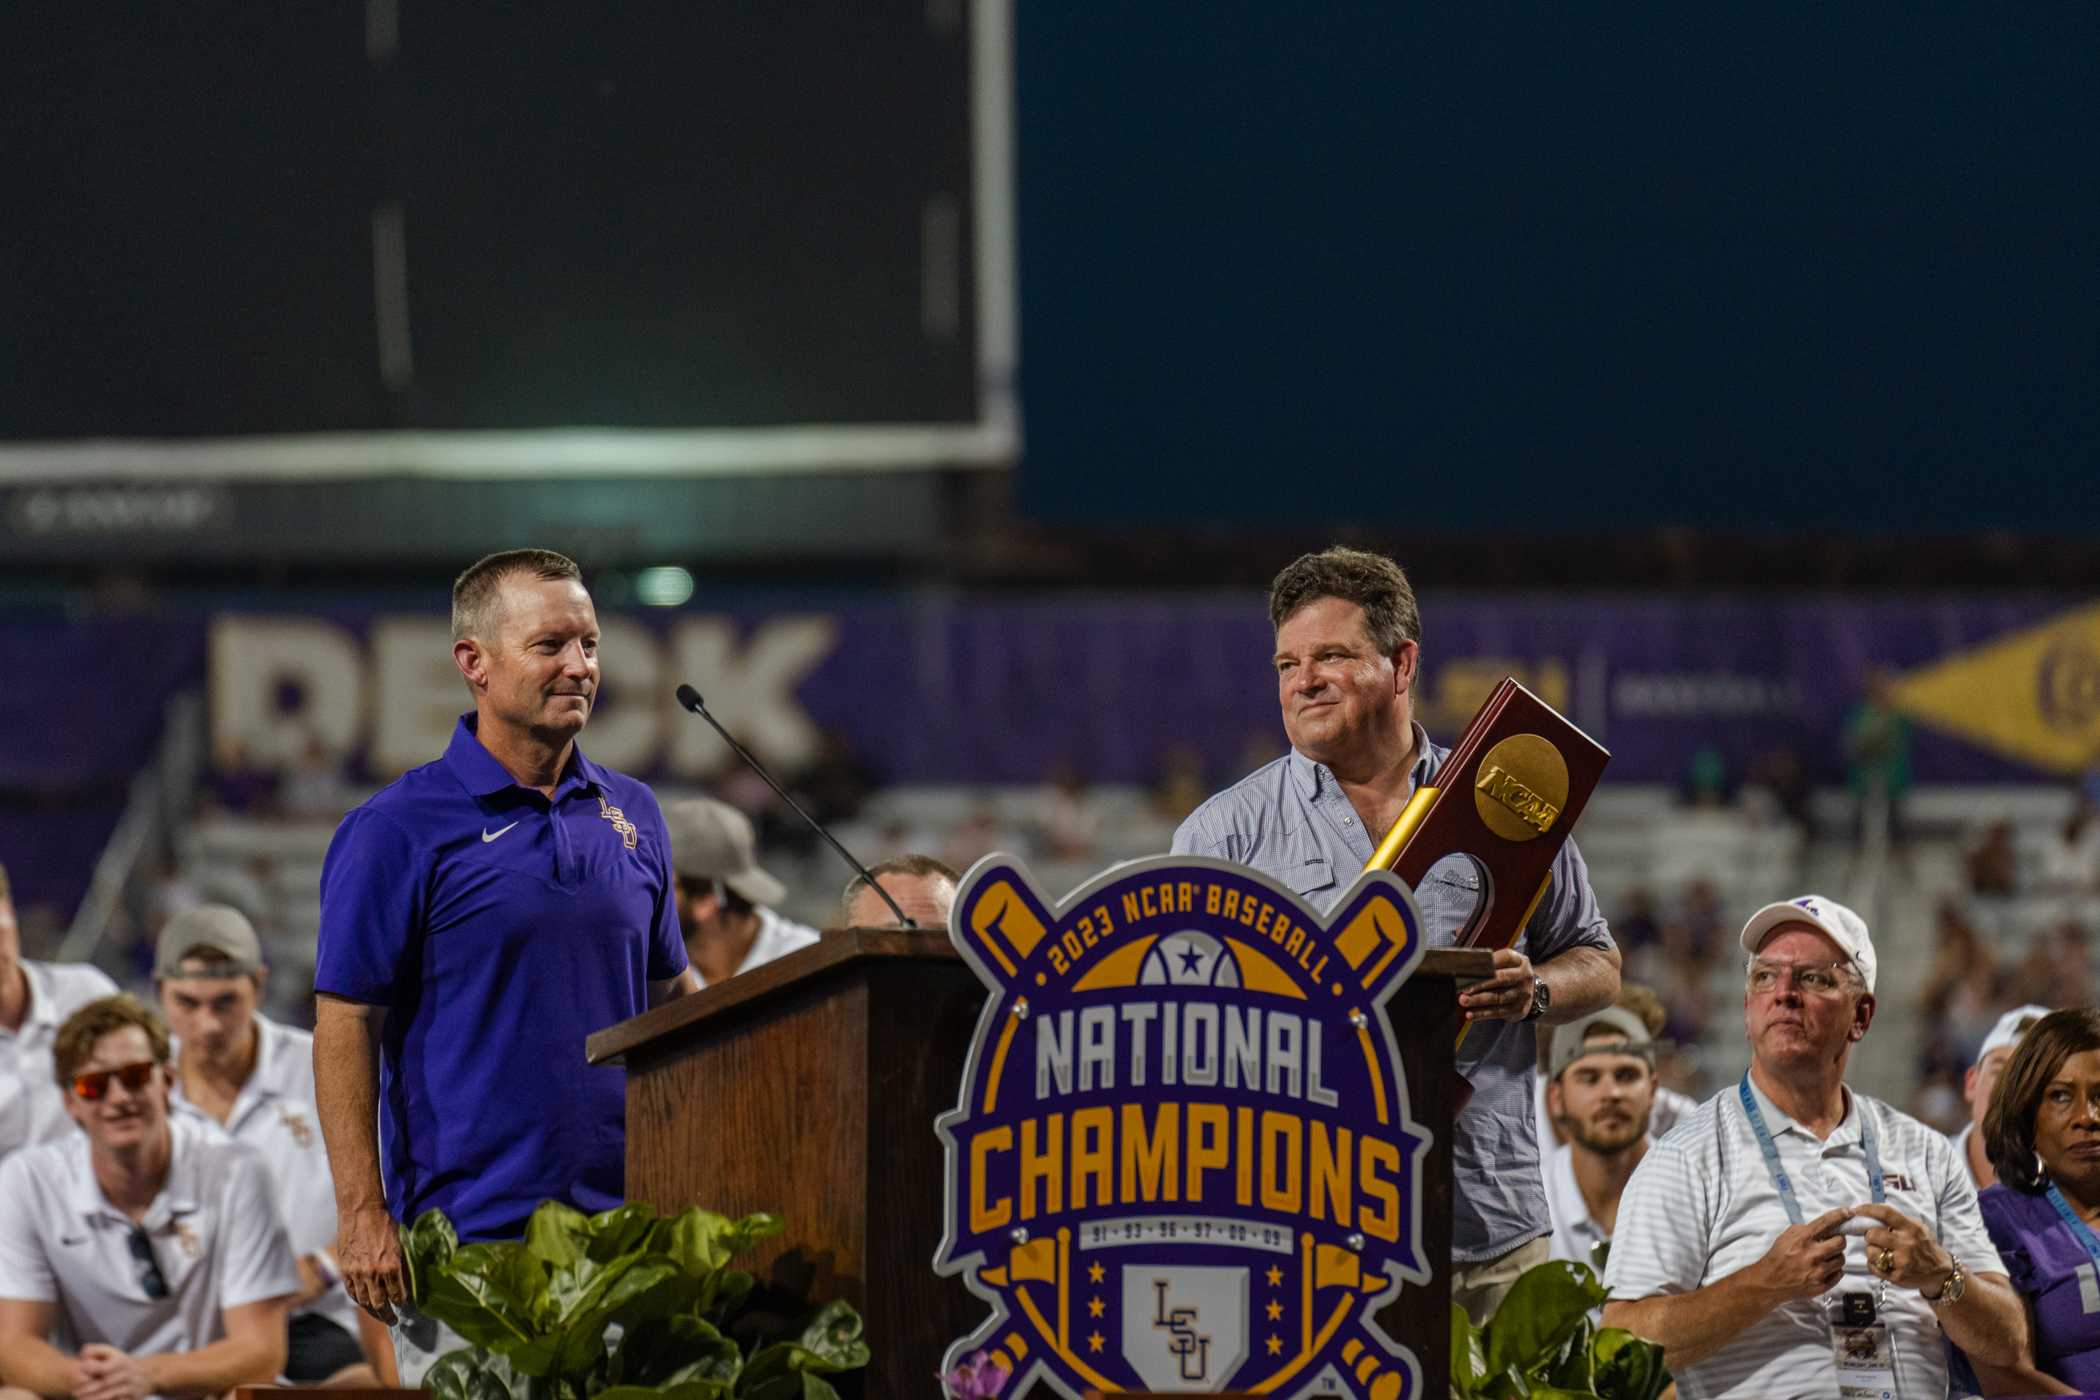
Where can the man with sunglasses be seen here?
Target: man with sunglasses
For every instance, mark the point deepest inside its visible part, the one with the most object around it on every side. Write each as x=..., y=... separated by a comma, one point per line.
x=1792, y=1237
x=35, y=998
x=149, y=1248
x=238, y=1070
x=480, y=917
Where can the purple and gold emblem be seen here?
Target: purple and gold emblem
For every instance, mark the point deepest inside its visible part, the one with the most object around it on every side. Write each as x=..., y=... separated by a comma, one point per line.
x=1182, y=1159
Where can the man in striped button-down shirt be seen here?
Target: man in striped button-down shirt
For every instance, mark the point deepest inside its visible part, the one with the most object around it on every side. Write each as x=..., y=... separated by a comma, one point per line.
x=1348, y=640
x=1736, y=1237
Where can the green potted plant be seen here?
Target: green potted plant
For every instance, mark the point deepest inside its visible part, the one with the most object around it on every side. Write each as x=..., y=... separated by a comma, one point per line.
x=622, y=1305
x=1542, y=1343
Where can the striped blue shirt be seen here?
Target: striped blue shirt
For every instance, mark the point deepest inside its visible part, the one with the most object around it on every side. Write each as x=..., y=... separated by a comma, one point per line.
x=1290, y=819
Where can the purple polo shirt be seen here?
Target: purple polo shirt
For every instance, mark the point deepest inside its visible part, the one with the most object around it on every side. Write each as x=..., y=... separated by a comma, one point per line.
x=2048, y=1266
x=498, y=929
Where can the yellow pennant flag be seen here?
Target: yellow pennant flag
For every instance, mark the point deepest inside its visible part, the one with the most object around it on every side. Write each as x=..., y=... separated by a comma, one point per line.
x=2032, y=696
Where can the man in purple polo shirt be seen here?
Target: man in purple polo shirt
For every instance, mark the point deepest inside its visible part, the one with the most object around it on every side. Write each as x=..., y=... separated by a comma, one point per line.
x=479, y=918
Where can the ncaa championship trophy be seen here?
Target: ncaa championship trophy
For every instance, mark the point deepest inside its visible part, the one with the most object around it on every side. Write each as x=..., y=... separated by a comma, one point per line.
x=1507, y=797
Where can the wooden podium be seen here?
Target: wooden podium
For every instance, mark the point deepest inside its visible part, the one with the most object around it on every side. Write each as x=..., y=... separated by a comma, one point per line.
x=809, y=1087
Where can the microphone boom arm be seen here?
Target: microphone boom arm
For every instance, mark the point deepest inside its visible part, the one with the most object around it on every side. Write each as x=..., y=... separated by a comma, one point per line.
x=690, y=699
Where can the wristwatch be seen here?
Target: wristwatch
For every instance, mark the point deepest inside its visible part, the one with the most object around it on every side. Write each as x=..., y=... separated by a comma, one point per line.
x=1950, y=1292
x=1541, y=998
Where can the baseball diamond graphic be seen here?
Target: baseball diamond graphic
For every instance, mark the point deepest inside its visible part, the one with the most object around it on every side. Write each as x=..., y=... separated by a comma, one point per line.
x=1182, y=1157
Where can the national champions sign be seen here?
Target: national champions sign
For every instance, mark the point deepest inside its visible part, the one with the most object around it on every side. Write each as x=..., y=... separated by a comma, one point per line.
x=1182, y=1158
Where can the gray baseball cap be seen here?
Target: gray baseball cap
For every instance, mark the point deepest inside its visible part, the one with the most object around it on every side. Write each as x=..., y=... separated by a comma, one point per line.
x=219, y=927
x=1629, y=1036
x=711, y=840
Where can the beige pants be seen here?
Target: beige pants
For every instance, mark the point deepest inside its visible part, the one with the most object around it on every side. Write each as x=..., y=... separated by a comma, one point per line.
x=1480, y=1288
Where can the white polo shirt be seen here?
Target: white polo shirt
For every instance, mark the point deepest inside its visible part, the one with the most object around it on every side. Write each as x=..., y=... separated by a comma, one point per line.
x=1960, y=1143
x=214, y=1227
x=1701, y=1206
x=32, y=1107
x=1575, y=1235
x=777, y=937
x=274, y=1114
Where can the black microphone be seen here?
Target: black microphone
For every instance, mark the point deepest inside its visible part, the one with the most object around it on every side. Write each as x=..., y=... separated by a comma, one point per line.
x=690, y=698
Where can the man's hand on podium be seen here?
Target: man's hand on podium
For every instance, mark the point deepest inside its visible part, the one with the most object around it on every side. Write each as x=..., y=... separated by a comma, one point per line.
x=1504, y=996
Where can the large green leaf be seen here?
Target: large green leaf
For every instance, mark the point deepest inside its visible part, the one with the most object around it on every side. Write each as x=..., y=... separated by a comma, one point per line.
x=672, y=1295
x=494, y=1295
x=724, y=1290
x=467, y=1374
x=701, y=1241
x=1468, y=1361
x=684, y=1390
x=667, y=1350
x=833, y=1332
x=621, y=1230
x=581, y=1339
x=770, y=1363
x=1542, y=1309
x=1628, y=1367
x=1572, y=1369
x=791, y=1385
x=558, y=1234
x=426, y=1246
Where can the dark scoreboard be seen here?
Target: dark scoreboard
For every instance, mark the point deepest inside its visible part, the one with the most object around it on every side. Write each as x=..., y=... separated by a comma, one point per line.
x=372, y=217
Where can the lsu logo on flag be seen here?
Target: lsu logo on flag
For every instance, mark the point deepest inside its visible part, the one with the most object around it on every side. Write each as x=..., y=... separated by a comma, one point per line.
x=1182, y=1157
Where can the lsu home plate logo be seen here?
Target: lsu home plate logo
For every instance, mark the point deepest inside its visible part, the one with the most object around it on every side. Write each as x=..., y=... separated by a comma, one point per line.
x=1182, y=1158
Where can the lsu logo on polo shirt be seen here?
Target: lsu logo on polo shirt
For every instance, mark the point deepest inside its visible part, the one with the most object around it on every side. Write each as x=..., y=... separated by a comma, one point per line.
x=1182, y=1157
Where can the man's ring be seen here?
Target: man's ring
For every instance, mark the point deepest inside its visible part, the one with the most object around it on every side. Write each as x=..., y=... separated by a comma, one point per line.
x=1887, y=1261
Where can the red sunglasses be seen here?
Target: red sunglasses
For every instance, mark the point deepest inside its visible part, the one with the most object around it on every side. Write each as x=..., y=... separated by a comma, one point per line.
x=94, y=1083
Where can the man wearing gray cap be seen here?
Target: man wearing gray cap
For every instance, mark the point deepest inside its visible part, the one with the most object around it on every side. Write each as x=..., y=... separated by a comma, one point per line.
x=724, y=896
x=254, y=1079
x=1601, y=1090
x=35, y=999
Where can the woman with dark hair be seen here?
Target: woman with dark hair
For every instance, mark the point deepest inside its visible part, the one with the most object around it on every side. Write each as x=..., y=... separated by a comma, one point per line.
x=2043, y=1135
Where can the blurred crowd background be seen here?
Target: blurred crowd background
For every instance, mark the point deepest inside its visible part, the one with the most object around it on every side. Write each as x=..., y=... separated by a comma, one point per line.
x=935, y=386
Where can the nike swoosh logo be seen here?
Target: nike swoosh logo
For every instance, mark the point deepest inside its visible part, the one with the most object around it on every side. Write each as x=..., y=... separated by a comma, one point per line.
x=488, y=836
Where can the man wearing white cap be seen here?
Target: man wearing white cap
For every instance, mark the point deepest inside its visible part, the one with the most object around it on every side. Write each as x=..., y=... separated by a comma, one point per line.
x=724, y=896
x=237, y=1070
x=1982, y=1078
x=1735, y=1241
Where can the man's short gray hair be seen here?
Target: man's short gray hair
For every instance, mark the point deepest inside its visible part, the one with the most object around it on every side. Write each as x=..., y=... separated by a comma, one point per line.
x=476, y=594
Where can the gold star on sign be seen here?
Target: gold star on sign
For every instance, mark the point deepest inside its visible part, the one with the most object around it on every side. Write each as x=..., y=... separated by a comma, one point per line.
x=1095, y=1341
x=1275, y=1310
x=1275, y=1277
x=1094, y=1273
x=1275, y=1346
x=1094, y=1307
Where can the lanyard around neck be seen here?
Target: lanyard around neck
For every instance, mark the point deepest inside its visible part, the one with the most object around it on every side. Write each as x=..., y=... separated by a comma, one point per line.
x=2080, y=1231
x=1777, y=1170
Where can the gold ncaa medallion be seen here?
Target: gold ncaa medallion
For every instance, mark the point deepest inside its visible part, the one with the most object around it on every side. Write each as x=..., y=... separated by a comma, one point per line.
x=1521, y=786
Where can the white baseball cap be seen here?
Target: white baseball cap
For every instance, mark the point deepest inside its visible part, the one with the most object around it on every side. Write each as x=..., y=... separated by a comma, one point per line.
x=1839, y=924
x=2011, y=1026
